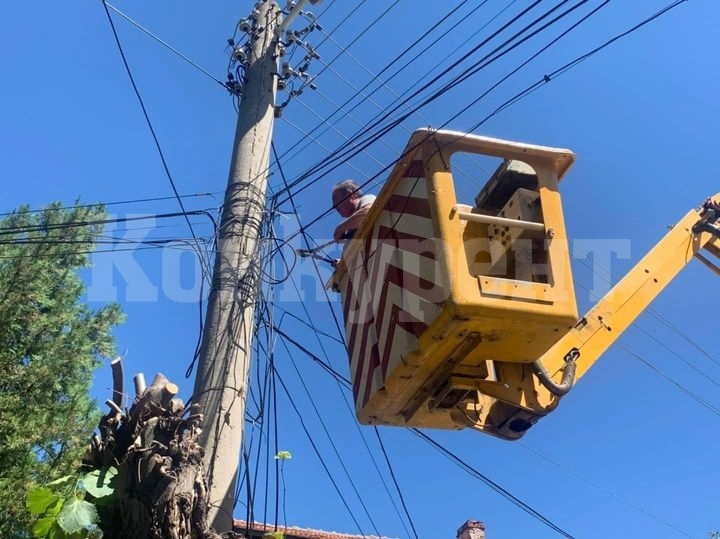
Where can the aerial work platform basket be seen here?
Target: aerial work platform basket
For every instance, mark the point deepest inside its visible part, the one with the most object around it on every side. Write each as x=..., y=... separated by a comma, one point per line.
x=449, y=304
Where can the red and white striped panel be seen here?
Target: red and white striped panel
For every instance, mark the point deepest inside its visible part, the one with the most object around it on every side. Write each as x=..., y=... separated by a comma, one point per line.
x=391, y=292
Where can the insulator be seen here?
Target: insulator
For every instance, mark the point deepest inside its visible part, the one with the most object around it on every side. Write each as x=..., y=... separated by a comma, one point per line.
x=245, y=25
x=239, y=54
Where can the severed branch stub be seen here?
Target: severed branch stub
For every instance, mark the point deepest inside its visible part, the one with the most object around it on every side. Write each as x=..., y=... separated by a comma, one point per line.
x=160, y=490
x=140, y=386
x=117, y=375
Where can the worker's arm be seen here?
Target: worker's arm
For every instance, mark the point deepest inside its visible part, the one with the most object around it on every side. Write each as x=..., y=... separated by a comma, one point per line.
x=350, y=224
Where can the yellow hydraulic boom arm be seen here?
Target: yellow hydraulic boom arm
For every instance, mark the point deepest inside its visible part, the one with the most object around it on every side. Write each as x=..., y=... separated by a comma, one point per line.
x=574, y=353
x=615, y=312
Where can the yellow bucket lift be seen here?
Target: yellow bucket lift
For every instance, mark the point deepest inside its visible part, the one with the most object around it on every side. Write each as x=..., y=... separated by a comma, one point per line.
x=464, y=315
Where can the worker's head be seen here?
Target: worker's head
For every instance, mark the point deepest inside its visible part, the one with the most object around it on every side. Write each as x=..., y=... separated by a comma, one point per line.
x=346, y=197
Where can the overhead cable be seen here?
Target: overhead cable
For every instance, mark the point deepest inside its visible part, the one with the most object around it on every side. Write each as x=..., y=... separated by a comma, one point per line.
x=288, y=394
x=530, y=89
x=330, y=439
x=343, y=393
x=397, y=486
x=603, y=489
x=152, y=129
x=489, y=482
x=299, y=150
x=573, y=63
x=105, y=204
x=366, y=136
x=165, y=44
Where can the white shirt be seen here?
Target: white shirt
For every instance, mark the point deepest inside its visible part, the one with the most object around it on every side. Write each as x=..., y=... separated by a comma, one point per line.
x=366, y=200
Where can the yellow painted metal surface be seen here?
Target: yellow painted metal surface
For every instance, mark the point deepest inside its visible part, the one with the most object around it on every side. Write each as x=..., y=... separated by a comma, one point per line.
x=448, y=305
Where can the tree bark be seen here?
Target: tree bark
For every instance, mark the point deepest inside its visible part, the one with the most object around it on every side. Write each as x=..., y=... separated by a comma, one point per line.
x=160, y=491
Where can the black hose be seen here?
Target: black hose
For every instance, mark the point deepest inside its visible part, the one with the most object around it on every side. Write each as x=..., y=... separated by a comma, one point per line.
x=546, y=380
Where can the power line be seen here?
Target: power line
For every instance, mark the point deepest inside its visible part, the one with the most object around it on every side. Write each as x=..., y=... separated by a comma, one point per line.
x=364, y=31
x=369, y=134
x=308, y=324
x=92, y=222
x=670, y=379
x=343, y=394
x=518, y=96
x=489, y=482
x=603, y=489
x=165, y=44
x=323, y=121
x=538, y=53
x=306, y=237
x=449, y=55
x=358, y=5
x=86, y=252
x=397, y=486
x=326, y=366
x=152, y=130
x=288, y=394
x=105, y=204
x=312, y=139
x=330, y=439
x=573, y=63
x=397, y=58
x=470, y=73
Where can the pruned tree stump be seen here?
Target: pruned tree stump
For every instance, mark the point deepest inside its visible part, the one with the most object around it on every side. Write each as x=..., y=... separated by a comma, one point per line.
x=160, y=490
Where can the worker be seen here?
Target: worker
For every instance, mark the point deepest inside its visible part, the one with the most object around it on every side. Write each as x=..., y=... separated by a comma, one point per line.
x=351, y=204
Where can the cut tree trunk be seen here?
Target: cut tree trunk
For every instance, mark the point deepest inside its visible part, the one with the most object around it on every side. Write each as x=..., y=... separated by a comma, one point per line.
x=160, y=491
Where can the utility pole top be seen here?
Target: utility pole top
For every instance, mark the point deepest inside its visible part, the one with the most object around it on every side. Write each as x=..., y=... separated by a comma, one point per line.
x=295, y=9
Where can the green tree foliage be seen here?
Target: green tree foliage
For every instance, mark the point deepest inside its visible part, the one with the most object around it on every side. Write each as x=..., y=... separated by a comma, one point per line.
x=50, y=344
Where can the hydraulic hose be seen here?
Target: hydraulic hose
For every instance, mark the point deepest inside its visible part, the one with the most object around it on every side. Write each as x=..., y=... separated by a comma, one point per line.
x=546, y=380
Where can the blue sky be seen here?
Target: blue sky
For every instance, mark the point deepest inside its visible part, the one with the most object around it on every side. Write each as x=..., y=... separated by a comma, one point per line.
x=627, y=454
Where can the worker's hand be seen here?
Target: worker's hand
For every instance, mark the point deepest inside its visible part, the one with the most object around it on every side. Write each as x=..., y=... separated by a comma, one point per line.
x=339, y=234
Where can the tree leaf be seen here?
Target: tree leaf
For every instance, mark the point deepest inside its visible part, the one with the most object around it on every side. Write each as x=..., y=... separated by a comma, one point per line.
x=274, y=535
x=59, y=481
x=39, y=499
x=76, y=515
x=99, y=482
x=54, y=509
x=283, y=455
x=42, y=526
x=47, y=411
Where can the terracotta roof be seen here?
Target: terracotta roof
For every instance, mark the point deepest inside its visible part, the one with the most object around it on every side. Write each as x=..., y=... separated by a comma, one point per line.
x=299, y=533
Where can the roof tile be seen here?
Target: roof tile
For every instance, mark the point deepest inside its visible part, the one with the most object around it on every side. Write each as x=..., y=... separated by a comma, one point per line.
x=299, y=533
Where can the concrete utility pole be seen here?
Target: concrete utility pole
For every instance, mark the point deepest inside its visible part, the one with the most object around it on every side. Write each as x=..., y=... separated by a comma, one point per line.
x=224, y=361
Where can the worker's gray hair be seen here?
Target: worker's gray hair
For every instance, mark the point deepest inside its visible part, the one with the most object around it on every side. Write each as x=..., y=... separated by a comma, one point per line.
x=348, y=187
